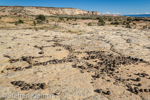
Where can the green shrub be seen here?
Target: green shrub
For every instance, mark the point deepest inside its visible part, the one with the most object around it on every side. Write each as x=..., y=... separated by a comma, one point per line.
x=115, y=19
x=20, y=21
x=115, y=23
x=0, y=17
x=89, y=24
x=16, y=23
x=137, y=19
x=124, y=22
x=74, y=24
x=101, y=20
x=68, y=19
x=109, y=19
x=41, y=17
x=129, y=19
x=134, y=23
x=101, y=23
x=34, y=23
x=61, y=18
x=128, y=26
x=39, y=22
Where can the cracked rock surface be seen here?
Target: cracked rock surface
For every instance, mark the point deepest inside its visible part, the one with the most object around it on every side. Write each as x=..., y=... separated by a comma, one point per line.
x=69, y=63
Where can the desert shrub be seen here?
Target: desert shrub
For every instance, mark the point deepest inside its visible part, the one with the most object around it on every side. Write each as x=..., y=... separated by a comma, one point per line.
x=129, y=19
x=34, y=23
x=89, y=24
x=109, y=19
x=124, y=23
x=115, y=19
x=41, y=17
x=16, y=23
x=61, y=18
x=20, y=21
x=0, y=17
x=134, y=23
x=101, y=20
x=114, y=23
x=47, y=21
x=56, y=24
x=137, y=19
x=74, y=24
x=144, y=27
x=39, y=22
x=101, y=23
x=128, y=22
x=128, y=26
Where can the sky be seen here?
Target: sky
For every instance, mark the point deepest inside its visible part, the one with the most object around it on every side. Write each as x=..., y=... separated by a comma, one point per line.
x=121, y=7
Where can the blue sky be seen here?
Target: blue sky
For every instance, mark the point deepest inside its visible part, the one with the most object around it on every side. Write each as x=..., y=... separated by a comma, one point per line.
x=102, y=6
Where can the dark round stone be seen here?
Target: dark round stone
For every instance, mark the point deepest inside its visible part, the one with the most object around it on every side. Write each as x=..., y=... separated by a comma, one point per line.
x=44, y=86
x=139, y=84
x=146, y=90
x=41, y=52
x=39, y=84
x=99, y=90
x=108, y=92
x=98, y=76
x=141, y=90
x=14, y=82
x=138, y=79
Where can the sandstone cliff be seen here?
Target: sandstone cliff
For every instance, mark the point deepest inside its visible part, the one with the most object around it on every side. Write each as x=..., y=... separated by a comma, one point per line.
x=19, y=10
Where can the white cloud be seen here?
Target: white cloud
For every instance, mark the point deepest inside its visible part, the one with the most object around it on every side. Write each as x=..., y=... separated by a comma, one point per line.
x=117, y=13
x=147, y=13
x=108, y=13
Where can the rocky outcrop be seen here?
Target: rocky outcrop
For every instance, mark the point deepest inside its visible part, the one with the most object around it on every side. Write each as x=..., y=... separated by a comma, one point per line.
x=19, y=10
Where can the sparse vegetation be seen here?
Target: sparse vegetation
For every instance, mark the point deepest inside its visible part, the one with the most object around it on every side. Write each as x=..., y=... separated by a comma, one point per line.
x=89, y=24
x=16, y=23
x=109, y=19
x=114, y=23
x=34, y=23
x=41, y=17
x=134, y=23
x=61, y=18
x=74, y=24
x=128, y=26
x=101, y=22
x=39, y=22
x=20, y=21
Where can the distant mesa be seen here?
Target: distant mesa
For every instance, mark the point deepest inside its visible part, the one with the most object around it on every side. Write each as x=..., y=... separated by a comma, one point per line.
x=20, y=10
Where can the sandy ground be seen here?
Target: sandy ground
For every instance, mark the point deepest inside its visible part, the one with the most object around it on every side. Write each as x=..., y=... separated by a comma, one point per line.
x=75, y=66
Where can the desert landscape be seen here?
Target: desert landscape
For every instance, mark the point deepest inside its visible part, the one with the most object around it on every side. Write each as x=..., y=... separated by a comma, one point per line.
x=76, y=56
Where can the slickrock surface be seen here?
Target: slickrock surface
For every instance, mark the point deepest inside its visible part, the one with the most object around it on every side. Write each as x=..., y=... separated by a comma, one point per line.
x=75, y=66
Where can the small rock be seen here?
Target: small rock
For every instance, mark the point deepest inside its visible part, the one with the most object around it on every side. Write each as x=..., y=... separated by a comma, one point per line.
x=146, y=90
x=44, y=86
x=98, y=76
x=81, y=71
x=4, y=71
x=108, y=93
x=138, y=79
x=139, y=84
x=41, y=52
x=99, y=91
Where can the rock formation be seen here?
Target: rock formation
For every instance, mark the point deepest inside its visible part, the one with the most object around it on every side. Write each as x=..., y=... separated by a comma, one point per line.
x=19, y=10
